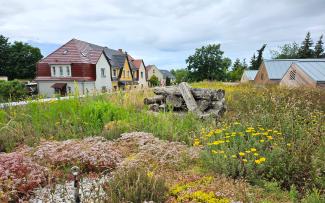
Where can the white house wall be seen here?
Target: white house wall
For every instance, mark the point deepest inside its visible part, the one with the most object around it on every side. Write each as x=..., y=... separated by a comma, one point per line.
x=142, y=80
x=45, y=87
x=103, y=81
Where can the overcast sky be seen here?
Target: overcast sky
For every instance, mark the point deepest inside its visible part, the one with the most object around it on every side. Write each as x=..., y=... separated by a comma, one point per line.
x=163, y=32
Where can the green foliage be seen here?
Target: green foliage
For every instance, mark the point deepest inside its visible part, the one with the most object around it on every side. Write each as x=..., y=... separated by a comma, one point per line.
x=181, y=75
x=237, y=71
x=256, y=61
x=12, y=91
x=154, y=81
x=208, y=63
x=18, y=60
x=314, y=196
x=287, y=51
x=136, y=185
x=306, y=50
x=319, y=49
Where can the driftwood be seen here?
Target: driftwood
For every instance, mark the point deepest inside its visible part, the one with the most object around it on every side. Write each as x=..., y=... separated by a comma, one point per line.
x=203, y=102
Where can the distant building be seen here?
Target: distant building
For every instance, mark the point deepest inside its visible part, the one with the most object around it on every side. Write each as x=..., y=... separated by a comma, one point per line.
x=77, y=66
x=307, y=73
x=152, y=70
x=167, y=75
x=248, y=76
x=272, y=71
x=140, y=74
x=3, y=78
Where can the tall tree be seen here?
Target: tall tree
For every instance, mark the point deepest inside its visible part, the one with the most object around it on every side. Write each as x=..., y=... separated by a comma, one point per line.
x=306, y=50
x=181, y=75
x=319, y=49
x=237, y=70
x=4, y=54
x=208, y=63
x=287, y=51
x=256, y=61
x=22, y=61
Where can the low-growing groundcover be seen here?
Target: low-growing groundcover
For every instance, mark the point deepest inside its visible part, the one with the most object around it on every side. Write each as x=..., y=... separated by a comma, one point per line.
x=269, y=134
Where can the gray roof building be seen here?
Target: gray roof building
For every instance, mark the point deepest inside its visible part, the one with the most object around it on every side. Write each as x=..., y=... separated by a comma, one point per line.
x=167, y=74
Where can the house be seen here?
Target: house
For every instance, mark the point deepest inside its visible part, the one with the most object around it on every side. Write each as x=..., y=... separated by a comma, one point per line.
x=76, y=67
x=152, y=70
x=167, y=76
x=248, y=76
x=140, y=74
x=307, y=73
x=272, y=71
x=122, y=69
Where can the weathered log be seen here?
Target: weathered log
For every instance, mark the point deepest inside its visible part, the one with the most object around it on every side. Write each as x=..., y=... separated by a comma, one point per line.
x=156, y=99
x=190, y=102
x=204, y=104
x=198, y=93
x=218, y=104
x=174, y=101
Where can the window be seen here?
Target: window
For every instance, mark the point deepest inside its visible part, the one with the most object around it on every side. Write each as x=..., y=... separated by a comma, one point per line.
x=102, y=72
x=292, y=75
x=153, y=71
x=61, y=71
x=128, y=73
x=68, y=71
x=53, y=71
x=141, y=74
x=124, y=73
x=114, y=73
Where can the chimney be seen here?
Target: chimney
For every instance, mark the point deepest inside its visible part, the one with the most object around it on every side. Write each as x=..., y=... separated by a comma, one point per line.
x=120, y=50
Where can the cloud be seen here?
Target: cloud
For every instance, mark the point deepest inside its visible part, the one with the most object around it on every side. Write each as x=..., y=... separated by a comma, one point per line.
x=164, y=32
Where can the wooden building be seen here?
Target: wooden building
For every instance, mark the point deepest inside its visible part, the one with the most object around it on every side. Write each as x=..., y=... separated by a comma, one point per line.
x=306, y=73
x=272, y=71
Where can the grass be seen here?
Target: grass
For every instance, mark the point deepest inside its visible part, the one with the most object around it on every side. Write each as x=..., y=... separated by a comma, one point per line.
x=290, y=123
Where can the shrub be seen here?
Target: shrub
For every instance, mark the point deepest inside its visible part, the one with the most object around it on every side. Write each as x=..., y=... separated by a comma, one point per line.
x=12, y=91
x=136, y=185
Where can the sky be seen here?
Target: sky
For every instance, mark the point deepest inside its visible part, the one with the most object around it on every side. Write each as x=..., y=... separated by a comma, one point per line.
x=163, y=32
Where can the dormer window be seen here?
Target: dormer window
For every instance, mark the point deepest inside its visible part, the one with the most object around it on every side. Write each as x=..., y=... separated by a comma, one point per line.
x=84, y=54
x=65, y=52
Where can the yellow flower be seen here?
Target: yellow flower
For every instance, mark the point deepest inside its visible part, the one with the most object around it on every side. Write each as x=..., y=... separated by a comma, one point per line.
x=262, y=159
x=214, y=152
x=196, y=142
x=256, y=154
x=257, y=161
x=248, y=151
x=227, y=136
x=261, y=141
x=150, y=174
x=234, y=156
x=227, y=141
x=241, y=154
x=253, y=149
x=245, y=160
x=289, y=145
x=225, y=156
x=270, y=137
x=236, y=123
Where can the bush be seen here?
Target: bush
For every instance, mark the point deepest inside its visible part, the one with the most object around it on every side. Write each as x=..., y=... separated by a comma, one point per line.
x=12, y=91
x=136, y=185
x=154, y=81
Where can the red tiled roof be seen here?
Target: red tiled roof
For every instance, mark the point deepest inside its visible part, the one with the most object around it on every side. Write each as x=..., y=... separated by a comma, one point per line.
x=75, y=51
x=137, y=63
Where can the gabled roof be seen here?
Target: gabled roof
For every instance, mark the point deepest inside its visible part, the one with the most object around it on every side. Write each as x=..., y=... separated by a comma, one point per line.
x=137, y=63
x=75, y=51
x=277, y=68
x=250, y=74
x=114, y=56
x=167, y=74
x=314, y=69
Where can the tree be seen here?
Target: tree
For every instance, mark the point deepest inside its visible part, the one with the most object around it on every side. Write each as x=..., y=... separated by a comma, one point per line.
x=181, y=75
x=154, y=81
x=256, y=61
x=287, y=51
x=237, y=70
x=4, y=54
x=22, y=61
x=319, y=50
x=305, y=50
x=208, y=63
